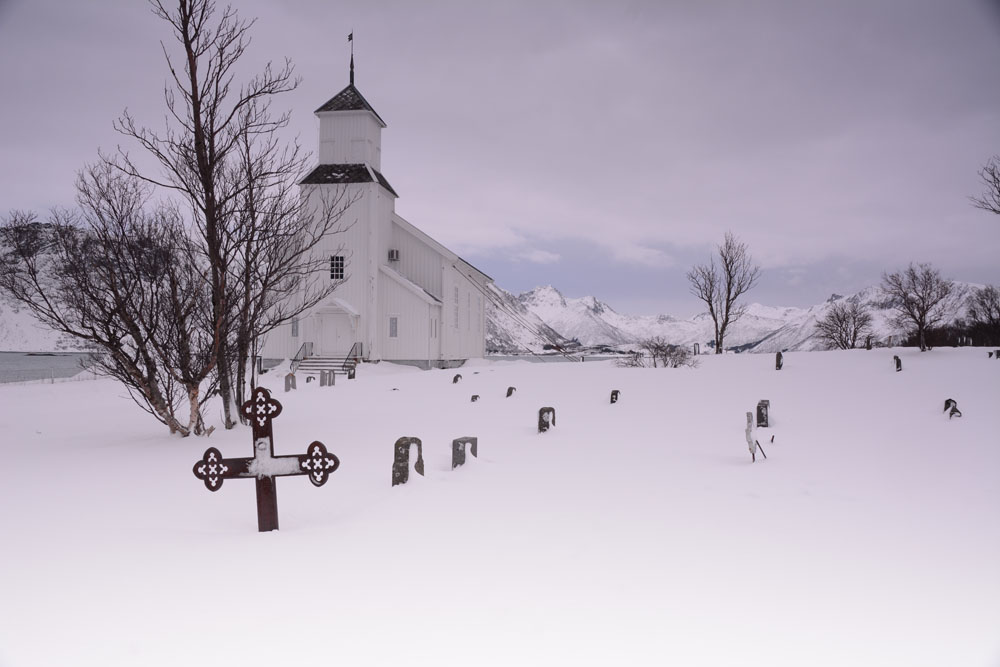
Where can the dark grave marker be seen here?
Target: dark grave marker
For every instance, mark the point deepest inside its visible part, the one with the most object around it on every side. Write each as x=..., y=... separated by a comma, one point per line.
x=778, y=361
x=763, y=408
x=996, y=354
x=261, y=410
x=309, y=378
x=897, y=362
x=510, y=391
x=991, y=355
x=351, y=372
x=475, y=397
x=952, y=405
x=868, y=342
x=614, y=396
x=546, y=418
x=322, y=378
x=458, y=376
x=289, y=382
x=458, y=450
x=697, y=349
x=401, y=461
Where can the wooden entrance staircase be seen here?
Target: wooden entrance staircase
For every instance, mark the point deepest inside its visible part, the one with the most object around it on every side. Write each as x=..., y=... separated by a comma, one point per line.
x=340, y=365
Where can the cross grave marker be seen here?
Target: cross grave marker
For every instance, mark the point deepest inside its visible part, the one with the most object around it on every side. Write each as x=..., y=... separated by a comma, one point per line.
x=264, y=466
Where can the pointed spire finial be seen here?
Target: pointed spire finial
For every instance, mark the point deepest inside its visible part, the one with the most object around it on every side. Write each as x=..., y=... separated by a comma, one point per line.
x=350, y=38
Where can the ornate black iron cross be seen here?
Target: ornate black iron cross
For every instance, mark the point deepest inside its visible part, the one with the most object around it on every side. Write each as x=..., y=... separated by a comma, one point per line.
x=264, y=466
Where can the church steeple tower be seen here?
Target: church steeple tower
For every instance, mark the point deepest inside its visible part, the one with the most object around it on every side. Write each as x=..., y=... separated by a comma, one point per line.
x=350, y=130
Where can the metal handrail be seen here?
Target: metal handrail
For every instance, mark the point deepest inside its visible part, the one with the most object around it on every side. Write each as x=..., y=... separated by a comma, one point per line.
x=354, y=356
x=305, y=351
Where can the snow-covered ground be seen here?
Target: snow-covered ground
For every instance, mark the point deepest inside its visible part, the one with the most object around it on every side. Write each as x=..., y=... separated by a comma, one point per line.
x=631, y=534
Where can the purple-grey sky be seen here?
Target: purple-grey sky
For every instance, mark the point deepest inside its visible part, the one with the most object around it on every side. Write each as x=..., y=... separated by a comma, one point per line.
x=602, y=147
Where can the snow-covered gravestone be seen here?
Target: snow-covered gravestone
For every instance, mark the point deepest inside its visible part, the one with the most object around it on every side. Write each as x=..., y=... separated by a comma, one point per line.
x=779, y=361
x=458, y=450
x=401, y=460
x=458, y=376
x=475, y=397
x=510, y=391
x=261, y=410
x=952, y=405
x=546, y=418
x=614, y=396
x=289, y=382
x=752, y=441
x=697, y=349
x=897, y=362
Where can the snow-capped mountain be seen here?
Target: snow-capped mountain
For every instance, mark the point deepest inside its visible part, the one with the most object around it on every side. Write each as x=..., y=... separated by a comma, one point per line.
x=512, y=328
x=761, y=329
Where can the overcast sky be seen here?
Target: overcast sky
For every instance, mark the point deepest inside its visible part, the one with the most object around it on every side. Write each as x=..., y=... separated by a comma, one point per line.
x=600, y=147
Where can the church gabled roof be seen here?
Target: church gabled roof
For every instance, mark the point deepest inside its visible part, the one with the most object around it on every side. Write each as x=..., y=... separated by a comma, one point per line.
x=349, y=99
x=336, y=174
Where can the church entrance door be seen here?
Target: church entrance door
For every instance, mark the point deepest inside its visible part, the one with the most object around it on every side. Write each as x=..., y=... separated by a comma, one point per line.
x=335, y=336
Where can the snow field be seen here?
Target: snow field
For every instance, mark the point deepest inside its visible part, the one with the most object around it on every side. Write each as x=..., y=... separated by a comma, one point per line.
x=637, y=533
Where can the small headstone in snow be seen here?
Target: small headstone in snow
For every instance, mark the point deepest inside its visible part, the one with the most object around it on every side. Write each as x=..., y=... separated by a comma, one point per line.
x=475, y=397
x=614, y=396
x=899, y=364
x=546, y=418
x=309, y=378
x=778, y=361
x=351, y=373
x=261, y=410
x=401, y=460
x=458, y=450
x=952, y=405
x=697, y=349
x=868, y=342
x=991, y=355
x=763, y=408
x=997, y=354
x=289, y=382
x=458, y=376
x=322, y=378
x=510, y=391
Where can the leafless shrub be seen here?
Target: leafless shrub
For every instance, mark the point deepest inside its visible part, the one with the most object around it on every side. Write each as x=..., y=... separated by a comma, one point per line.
x=844, y=324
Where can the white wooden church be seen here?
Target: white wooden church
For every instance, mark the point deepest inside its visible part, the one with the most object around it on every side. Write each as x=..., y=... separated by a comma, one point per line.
x=404, y=297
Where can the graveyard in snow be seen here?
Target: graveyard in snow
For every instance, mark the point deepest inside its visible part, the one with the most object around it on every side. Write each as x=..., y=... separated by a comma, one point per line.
x=629, y=533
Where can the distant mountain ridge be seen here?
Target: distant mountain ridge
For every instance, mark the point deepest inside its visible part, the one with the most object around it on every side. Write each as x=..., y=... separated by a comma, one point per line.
x=595, y=323
x=543, y=316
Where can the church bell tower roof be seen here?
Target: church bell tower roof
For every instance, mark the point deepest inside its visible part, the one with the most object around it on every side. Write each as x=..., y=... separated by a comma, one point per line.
x=349, y=99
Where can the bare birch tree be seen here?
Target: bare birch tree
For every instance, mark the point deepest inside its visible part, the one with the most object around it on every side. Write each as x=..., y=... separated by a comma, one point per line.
x=721, y=286
x=990, y=175
x=128, y=283
x=921, y=297
x=219, y=151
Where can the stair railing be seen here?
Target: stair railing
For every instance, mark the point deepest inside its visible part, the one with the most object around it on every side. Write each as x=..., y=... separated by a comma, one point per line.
x=353, y=357
x=305, y=351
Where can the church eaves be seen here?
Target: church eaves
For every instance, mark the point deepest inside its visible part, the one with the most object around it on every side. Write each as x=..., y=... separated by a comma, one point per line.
x=349, y=99
x=337, y=174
